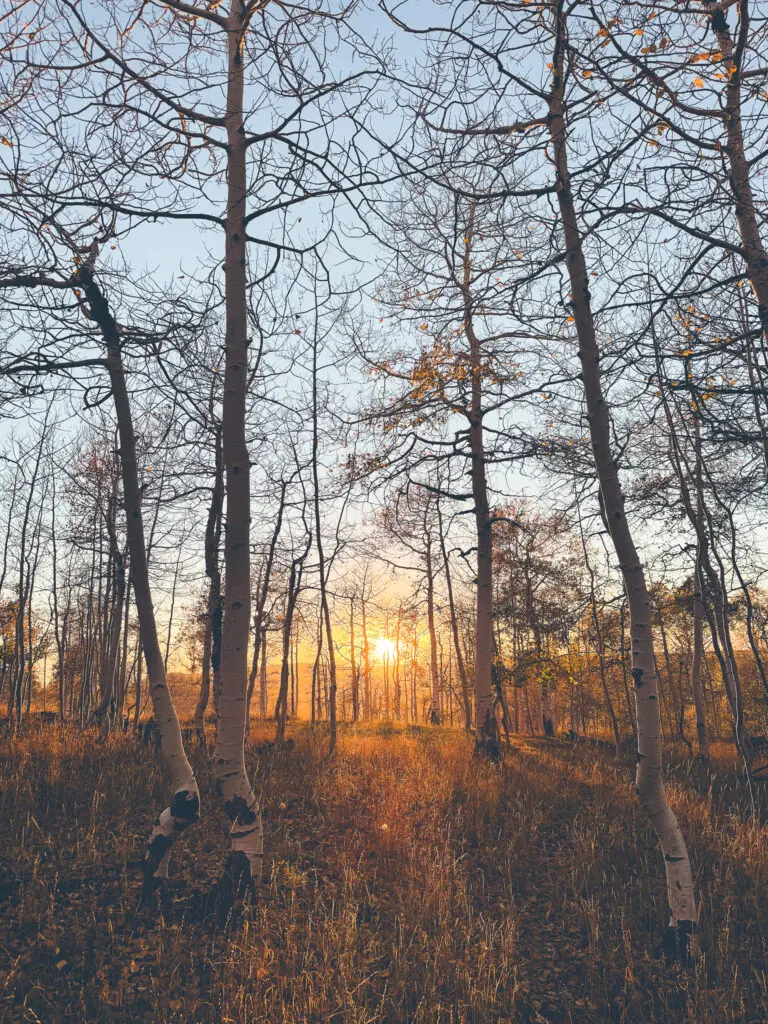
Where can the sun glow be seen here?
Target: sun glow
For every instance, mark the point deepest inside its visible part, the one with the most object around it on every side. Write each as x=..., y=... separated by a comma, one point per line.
x=384, y=648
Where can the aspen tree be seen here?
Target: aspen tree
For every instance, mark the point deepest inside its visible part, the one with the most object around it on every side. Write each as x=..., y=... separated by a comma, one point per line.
x=649, y=781
x=185, y=805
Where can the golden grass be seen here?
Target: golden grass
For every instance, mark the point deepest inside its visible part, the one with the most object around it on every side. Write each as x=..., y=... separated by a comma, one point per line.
x=405, y=881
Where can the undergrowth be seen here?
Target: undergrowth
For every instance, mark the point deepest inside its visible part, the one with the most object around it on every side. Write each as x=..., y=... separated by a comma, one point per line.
x=404, y=881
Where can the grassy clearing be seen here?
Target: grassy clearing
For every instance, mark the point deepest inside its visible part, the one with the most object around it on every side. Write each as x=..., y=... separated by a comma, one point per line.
x=404, y=882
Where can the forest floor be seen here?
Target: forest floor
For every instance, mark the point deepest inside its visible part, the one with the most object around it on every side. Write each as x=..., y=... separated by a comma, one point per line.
x=404, y=881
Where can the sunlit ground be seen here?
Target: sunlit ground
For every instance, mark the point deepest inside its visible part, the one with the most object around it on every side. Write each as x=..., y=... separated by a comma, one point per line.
x=405, y=881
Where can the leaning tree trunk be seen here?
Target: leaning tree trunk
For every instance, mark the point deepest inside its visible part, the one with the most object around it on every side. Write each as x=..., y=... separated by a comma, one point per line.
x=240, y=804
x=649, y=781
x=184, y=808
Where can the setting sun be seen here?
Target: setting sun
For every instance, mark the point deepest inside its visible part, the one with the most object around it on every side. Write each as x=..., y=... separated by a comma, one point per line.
x=384, y=648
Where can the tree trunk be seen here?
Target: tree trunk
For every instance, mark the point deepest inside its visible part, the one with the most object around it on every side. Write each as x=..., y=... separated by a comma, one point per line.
x=697, y=683
x=355, y=680
x=244, y=865
x=396, y=668
x=649, y=781
x=599, y=638
x=263, y=675
x=185, y=805
x=368, y=711
x=112, y=639
x=486, y=731
x=321, y=566
x=460, y=666
x=745, y=210
x=15, y=700
x=434, y=675
x=294, y=588
x=261, y=602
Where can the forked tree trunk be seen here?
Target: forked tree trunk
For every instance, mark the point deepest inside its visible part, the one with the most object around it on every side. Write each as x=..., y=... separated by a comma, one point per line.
x=184, y=808
x=649, y=781
x=240, y=804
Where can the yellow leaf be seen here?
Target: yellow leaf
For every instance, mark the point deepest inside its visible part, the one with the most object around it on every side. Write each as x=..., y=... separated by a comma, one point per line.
x=698, y=82
x=571, y=319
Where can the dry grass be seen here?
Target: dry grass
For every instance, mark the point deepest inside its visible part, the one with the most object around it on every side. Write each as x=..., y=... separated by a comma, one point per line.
x=405, y=882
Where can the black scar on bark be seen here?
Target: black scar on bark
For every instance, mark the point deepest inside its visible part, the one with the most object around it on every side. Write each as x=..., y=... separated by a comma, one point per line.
x=185, y=808
x=678, y=943
x=154, y=855
x=719, y=22
x=487, y=741
x=230, y=896
x=637, y=675
x=237, y=809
